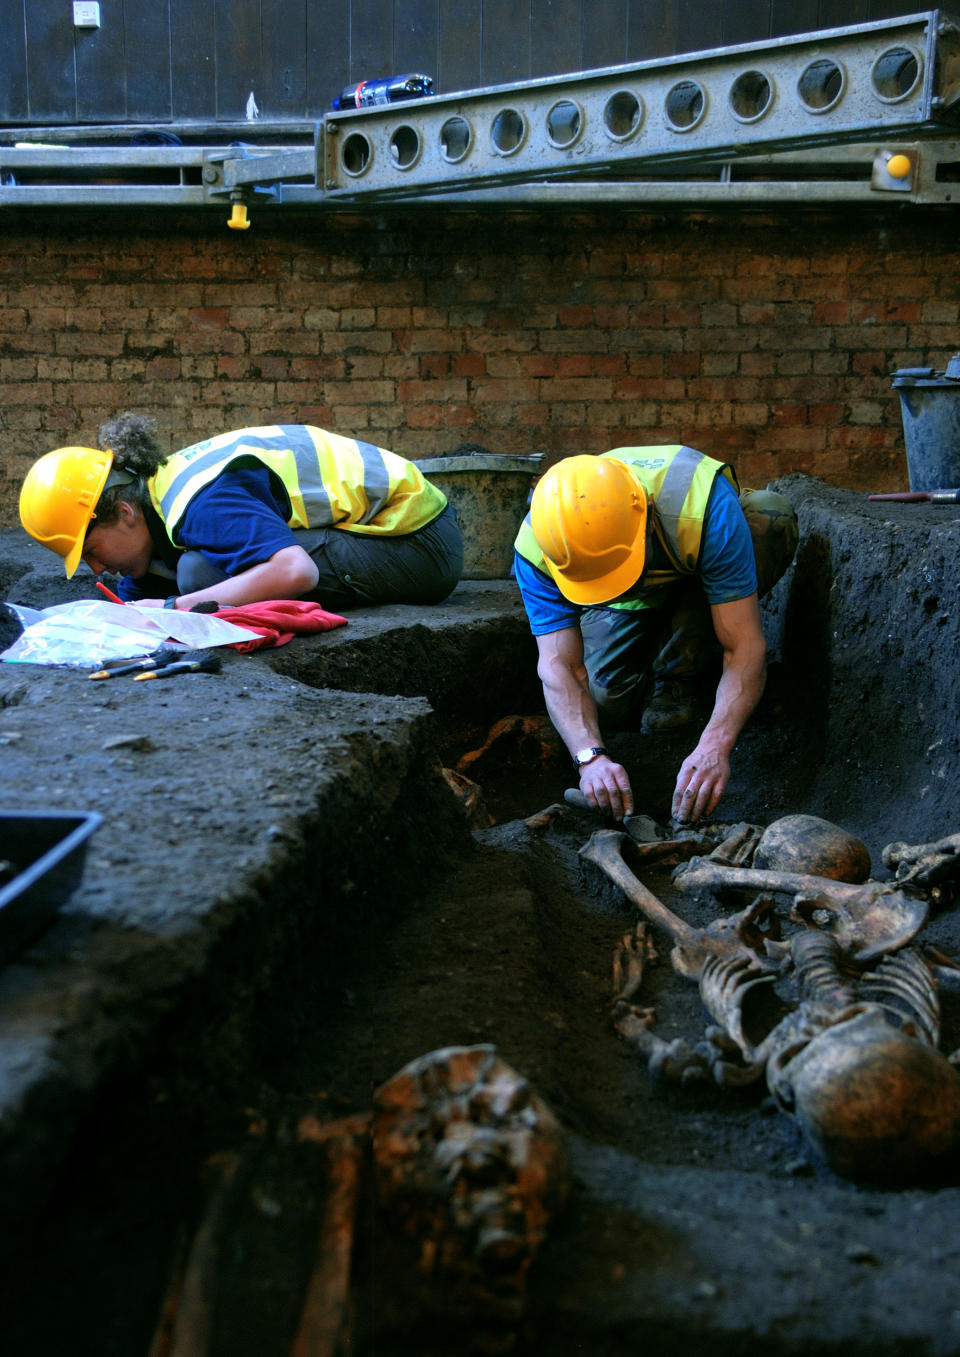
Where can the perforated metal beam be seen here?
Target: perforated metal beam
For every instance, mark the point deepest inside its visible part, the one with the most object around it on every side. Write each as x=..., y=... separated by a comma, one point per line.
x=893, y=78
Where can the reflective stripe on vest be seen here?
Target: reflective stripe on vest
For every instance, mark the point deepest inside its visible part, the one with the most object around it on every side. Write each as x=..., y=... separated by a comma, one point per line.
x=331, y=481
x=678, y=481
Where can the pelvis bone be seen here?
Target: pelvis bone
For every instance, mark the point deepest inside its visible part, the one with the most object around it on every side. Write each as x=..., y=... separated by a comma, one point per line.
x=868, y=920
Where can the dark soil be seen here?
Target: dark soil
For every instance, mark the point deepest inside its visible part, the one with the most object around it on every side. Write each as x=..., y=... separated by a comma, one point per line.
x=697, y=1217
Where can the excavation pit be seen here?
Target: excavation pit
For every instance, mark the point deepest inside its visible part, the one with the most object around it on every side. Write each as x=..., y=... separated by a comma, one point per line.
x=284, y=907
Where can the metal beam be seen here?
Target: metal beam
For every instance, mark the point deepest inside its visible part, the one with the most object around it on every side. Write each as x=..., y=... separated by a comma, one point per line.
x=894, y=78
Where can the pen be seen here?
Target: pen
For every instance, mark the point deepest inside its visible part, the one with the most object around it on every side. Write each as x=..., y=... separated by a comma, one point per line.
x=109, y=593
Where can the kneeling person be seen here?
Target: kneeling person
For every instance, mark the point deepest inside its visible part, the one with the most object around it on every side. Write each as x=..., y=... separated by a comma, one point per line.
x=635, y=568
x=282, y=511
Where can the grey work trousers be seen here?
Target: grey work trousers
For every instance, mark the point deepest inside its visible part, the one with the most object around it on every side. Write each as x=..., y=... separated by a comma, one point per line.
x=361, y=569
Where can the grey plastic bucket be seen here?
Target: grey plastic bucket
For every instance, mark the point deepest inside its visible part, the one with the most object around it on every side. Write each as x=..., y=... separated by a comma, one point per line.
x=930, y=408
x=489, y=493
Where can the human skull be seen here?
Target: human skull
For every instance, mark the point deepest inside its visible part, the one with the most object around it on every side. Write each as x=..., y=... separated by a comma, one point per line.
x=805, y=843
x=874, y=1102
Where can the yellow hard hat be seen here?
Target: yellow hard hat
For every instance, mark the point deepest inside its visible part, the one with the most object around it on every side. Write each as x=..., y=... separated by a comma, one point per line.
x=59, y=496
x=589, y=517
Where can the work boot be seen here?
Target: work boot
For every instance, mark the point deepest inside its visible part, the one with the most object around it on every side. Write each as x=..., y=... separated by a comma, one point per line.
x=672, y=705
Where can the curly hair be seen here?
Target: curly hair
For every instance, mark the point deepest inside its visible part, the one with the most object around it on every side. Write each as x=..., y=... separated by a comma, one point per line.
x=136, y=448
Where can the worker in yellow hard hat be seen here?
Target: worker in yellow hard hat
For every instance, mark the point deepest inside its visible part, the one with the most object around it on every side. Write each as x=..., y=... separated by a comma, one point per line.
x=638, y=567
x=271, y=512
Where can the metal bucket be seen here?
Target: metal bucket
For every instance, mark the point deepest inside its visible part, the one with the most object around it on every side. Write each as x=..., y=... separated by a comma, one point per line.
x=930, y=407
x=489, y=494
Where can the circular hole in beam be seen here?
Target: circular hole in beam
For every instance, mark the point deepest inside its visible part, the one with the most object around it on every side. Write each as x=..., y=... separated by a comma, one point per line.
x=508, y=131
x=622, y=115
x=455, y=139
x=750, y=96
x=685, y=105
x=896, y=73
x=564, y=123
x=821, y=85
x=356, y=154
x=404, y=147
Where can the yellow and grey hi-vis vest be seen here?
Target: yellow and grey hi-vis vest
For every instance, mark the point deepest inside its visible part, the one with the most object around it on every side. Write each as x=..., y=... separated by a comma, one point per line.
x=331, y=481
x=678, y=481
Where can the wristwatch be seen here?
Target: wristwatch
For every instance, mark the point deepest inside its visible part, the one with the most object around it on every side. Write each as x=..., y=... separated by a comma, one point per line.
x=583, y=756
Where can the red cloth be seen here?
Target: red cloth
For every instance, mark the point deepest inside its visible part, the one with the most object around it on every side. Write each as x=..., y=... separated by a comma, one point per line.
x=279, y=620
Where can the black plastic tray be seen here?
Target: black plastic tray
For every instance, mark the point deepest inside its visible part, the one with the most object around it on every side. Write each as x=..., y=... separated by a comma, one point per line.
x=48, y=849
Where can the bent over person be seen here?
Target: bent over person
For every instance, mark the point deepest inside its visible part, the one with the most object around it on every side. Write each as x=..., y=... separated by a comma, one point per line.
x=636, y=567
x=282, y=511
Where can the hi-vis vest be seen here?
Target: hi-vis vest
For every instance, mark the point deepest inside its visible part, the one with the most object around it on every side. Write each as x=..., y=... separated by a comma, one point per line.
x=678, y=481
x=331, y=481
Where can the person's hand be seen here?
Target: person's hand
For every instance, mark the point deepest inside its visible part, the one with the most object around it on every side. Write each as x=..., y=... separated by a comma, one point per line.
x=606, y=786
x=701, y=782
x=147, y=602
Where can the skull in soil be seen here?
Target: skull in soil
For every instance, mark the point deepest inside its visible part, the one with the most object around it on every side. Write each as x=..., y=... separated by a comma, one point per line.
x=469, y=1163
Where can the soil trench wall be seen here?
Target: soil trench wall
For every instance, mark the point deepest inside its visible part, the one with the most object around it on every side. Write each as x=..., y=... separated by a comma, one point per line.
x=767, y=338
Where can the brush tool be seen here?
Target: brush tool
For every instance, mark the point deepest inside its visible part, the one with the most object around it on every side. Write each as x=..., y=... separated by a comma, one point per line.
x=157, y=659
x=194, y=662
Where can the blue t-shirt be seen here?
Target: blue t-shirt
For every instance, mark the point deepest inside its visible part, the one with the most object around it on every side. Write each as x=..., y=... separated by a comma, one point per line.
x=237, y=521
x=728, y=569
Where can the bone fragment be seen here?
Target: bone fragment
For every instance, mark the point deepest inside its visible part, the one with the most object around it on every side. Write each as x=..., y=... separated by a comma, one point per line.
x=186, y=1323
x=324, y=1327
x=924, y=863
x=674, y=1060
x=737, y=848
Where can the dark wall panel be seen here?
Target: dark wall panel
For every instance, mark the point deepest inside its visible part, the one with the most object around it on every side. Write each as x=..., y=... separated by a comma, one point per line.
x=793, y=16
x=101, y=65
x=283, y=78
x=371, y=39
x=193, y=59
x=146, y=41
x=555, y=38
x=459, y=46
x=742, y=22
x=13, y=68
x=415, y=38
x=506, y=41
x=603, y=34
x=327, y=53
x=237, y=53
x=51, y=70
x=651, y=30
x=699, y=25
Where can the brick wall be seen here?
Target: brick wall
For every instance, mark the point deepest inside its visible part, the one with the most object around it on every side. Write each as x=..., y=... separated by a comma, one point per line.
x=765, y=338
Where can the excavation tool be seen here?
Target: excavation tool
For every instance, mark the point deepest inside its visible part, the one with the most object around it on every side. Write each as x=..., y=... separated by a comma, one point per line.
x=202, y=662
x=114, y=598
x=922, y=496
x=157, y=659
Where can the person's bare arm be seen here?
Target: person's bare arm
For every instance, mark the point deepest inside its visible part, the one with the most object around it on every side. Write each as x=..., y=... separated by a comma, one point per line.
x=289, y=573
x=704, y=774
x=574, y=715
